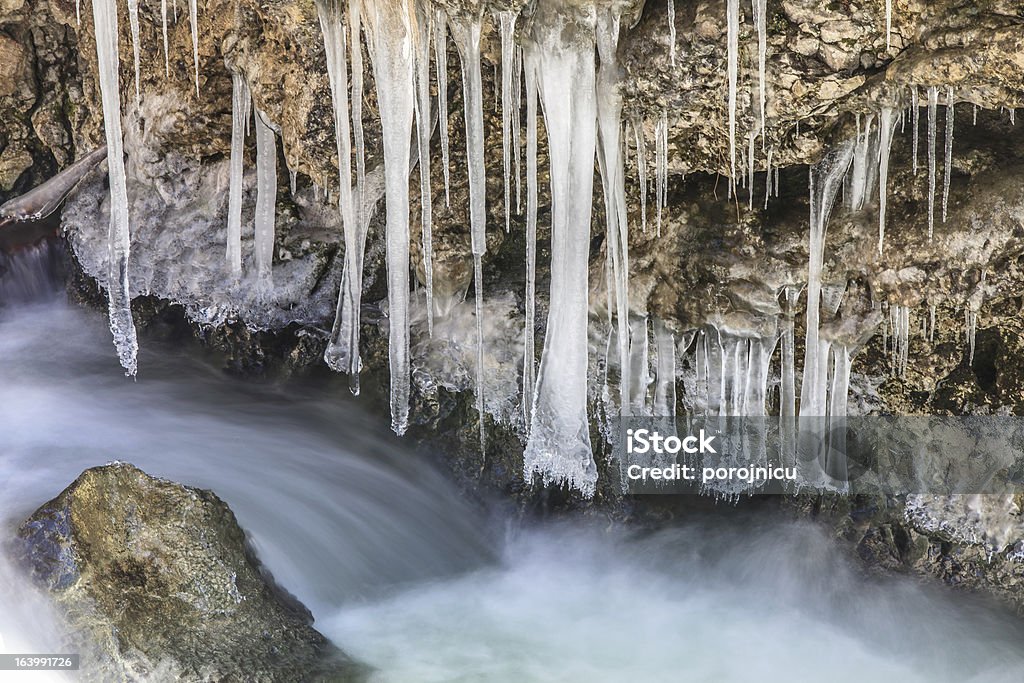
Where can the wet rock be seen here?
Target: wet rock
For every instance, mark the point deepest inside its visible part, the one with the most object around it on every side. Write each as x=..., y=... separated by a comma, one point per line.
x=157, y=581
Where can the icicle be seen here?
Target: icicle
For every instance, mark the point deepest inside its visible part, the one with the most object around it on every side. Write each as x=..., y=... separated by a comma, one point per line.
x=391, y=45
x=971, y=324
x=241, y=108
x=467, y=38
x=639, y=366
x=118, y=240
x=665, y=389
x=517, y=89
x=293, y=182
x=559, y=442
x=760, y=19
x=167, y=57
x=825, y=179
x=915, y=115
x=750, y=170
x=933, y=101
x=641, y=169
x=609, y=121
x=529, y=365
x=342, y=353
x=886, y=128
x=1013, y=116
x=266, y=202
x=133, y=23
x=768, y=178
x=948, y=165
x=931, y=330
x=424, y=129
x=733, y=35
x=975, y=117
x=507, y=23
x=355, y=47
x=888, y=24
x=78, y=12
x=672, y=32
x=441, y=66
x=193, y=18
x=787, y=403
x=661, y=165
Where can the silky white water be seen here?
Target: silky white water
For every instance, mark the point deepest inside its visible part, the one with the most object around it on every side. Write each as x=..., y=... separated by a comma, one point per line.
x=408, y=579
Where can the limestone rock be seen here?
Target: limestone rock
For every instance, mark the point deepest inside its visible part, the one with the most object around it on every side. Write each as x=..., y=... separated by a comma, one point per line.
x=156, y=580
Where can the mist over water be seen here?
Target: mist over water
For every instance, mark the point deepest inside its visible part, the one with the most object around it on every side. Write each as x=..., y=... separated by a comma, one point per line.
x=421, y=586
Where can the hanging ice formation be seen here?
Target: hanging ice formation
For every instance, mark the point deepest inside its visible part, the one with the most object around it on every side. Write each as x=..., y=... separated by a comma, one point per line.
x=529, y=364
x=390, y=31
x=342, y=353
x=888, y=24
x=466, y=32
x=760, y=8
x=915, y=116
x=733, y=38
x=241, y=106
x=167, y=57
x=507, y=27
x=193, y=19
x=611, y=156
x=119, y=240
x=672, y=32
x=558, y=448
x=266, y=202
x=441, y=68
x=133, y=23
x=886, y=129
x=899, y=322
x=661, y=165
x=423, y=134
x=825, y=179
x=933, y=102
x=947, y=167
x=665, y=389
x=638, y=365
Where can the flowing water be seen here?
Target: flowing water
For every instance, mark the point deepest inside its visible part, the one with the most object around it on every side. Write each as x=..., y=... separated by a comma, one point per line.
x=421, y=586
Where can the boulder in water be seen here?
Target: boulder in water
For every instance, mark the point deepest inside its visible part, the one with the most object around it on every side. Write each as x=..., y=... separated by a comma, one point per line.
x=157, y=581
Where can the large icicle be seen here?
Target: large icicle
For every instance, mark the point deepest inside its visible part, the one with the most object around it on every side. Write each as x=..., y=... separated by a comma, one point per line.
x=933, y=102
x=342, y=353
x=133, y=23
x=466, y=33
x=441, y=67
x=507, y=27
x=947, y=168
x=915, y=115
x=193, y=19
x=529, y=364
x=661, y=165
x=825, y=179
x=266, y=202
x=609, y=120
x=423, y=135
x=733, y=37
x=119, y=240
x=559, y=444
x=639, y=366
x=886, y=129
x=355, y=46
x=389, y=30
x=641, y=170
x=241, y=107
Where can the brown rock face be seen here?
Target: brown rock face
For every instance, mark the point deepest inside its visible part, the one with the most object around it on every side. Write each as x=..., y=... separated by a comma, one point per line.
x=157, y=580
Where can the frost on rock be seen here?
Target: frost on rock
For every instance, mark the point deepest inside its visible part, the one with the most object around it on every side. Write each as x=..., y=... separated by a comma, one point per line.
x=558, y=449
x=118, y=238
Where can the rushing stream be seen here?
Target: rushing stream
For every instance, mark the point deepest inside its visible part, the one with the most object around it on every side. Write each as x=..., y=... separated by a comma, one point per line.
x=406, y=577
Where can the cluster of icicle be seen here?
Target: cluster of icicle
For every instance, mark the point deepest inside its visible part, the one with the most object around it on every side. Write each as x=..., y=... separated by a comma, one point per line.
x=567, y=69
